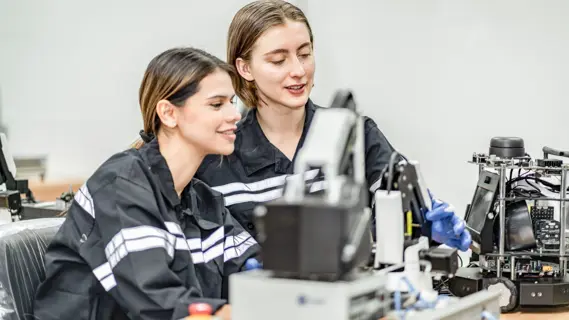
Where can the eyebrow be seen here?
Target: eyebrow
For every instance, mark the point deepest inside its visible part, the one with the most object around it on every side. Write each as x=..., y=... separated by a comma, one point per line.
x=302, y=46
x=221, y=96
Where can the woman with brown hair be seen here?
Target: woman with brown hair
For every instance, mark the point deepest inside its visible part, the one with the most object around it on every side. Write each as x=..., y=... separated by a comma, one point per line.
x=270, y=43
x=143, y=239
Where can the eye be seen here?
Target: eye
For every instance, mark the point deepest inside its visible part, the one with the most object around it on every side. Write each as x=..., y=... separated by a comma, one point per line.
x=233, y=100
x=217, y=105
x=277, y=62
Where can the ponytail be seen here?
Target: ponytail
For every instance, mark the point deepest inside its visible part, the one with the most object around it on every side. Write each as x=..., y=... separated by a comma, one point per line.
x=145, y=137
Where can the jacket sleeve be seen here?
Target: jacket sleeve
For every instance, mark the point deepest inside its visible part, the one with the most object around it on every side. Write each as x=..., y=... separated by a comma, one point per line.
x=136, y=253
x=378, y=152
x=239, y=246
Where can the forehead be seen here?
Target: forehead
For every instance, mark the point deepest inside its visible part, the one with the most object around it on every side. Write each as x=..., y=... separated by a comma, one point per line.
x=216, y=83
x=289, y=36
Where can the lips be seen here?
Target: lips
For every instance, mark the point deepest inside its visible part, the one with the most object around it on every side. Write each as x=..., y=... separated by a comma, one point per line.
x=296, y=90
x=229, y=134
x=296, y=87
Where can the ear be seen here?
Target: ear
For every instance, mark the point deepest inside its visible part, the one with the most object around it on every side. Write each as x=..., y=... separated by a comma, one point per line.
x=244, y=69
x=165, y=111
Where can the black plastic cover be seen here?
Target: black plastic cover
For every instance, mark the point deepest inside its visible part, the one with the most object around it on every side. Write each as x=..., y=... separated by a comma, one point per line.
x=507, y=147
x=22, y=249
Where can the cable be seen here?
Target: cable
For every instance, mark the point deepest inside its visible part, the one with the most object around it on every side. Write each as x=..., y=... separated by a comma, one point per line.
x=394, y=155
x=461, y=263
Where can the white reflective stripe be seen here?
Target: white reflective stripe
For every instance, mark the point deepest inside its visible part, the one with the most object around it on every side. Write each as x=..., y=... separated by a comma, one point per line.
x=109, y=282
x=83, y=198
x=253, y=197
x=181, y=244
x=104, y=274
x=197, y=257
x=174, y=228
x=135, y=233
x=195, y=243
x=268, y=183
x=213, y=252
x=233, y=241
x=215, y=237
x=375, y=185
x=235, y=252
x=138, y=239
x=102, y=271
x=207, y=256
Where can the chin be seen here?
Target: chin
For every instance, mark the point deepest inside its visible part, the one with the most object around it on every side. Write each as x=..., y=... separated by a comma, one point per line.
x=296, y=102
x=225, y=151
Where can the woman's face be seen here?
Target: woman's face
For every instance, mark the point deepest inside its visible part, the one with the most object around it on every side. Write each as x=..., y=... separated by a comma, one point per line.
x=208, y=118
x=282, y=65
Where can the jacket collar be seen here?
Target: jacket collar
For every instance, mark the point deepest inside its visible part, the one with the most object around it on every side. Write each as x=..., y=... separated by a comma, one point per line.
x=157, y=164
x=253, y=147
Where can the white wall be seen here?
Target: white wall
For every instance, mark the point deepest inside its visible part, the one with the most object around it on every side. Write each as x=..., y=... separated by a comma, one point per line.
x=442, y=77
x=439, y=77
x=70, y=70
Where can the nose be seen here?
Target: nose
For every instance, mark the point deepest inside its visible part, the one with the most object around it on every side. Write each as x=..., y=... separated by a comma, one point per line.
x=234, y=115
x=297, y=70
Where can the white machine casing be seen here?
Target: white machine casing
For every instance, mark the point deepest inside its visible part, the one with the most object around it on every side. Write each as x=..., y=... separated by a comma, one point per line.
x=256, y=295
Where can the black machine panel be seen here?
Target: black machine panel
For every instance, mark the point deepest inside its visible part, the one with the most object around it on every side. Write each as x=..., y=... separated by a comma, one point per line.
x=478, y=221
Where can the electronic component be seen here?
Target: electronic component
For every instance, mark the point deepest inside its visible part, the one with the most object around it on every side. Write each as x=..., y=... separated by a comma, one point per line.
x=480, y=216
x=547, y=234
x=442, y=260
x=541, y=213
x=553, y=163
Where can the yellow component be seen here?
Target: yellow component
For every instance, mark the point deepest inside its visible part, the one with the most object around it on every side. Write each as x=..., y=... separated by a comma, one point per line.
x=547, y=268
x=409, y=224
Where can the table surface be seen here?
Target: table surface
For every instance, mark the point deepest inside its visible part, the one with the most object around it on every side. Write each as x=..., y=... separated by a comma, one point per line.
x=49, y=191
x=538, y=314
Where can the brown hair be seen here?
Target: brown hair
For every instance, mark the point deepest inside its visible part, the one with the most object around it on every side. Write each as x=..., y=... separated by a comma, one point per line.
x=173, y=75
x=248, y=24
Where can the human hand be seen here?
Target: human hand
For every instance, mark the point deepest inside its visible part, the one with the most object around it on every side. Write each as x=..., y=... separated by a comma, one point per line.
x=447, y=227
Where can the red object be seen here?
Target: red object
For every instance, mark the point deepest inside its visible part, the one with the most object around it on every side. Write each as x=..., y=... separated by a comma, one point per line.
x=200, y=309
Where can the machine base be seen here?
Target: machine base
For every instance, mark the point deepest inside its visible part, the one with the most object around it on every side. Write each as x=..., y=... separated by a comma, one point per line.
x=549, y=292
x=257, y=295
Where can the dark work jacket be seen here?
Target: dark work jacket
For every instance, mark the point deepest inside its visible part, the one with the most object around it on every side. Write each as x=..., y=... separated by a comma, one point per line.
x=131, y=248
x=257, y=170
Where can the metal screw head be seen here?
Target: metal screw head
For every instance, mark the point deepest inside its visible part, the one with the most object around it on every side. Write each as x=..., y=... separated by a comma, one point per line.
x=533, y=294
x=539, y=294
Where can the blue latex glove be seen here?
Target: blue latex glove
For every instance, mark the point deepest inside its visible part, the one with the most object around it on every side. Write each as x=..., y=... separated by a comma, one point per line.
x=447, y=227
x=252, y=264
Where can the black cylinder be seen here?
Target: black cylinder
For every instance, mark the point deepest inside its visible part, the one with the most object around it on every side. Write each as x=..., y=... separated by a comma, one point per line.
x=507, y=147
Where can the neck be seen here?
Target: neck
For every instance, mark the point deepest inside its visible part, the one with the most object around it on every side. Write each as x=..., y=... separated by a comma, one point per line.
x=281, y=120
x=183, y=159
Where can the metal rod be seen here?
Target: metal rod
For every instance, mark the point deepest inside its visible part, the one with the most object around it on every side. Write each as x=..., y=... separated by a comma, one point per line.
x=563, y=222
x=535, y=199
x=502, y=212
x=513, y=268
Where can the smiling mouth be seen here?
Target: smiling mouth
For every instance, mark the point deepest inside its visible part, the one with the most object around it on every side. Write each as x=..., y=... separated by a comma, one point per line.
x=296, y=87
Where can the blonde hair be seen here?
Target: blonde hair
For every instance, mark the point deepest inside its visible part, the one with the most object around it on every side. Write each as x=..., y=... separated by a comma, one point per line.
x=248, y=24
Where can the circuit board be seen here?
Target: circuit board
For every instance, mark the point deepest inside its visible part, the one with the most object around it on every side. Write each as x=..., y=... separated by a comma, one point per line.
x=526, y=267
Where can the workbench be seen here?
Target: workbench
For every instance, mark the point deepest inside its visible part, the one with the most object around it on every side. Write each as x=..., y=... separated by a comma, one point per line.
x=538, y=314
